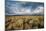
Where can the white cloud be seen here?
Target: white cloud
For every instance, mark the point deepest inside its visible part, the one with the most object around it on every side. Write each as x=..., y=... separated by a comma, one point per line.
x=25, y=11
x=38, y=10
x=22, y=11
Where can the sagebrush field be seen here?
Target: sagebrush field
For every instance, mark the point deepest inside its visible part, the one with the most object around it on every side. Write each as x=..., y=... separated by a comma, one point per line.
x=24, y=22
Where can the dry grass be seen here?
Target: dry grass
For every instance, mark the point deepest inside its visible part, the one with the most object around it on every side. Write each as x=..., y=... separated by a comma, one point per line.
x=24, y=22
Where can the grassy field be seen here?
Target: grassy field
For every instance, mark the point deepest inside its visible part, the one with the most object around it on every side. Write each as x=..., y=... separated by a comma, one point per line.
x=24, y=22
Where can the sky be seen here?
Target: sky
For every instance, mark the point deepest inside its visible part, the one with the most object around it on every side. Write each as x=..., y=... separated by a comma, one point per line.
x=23, y=8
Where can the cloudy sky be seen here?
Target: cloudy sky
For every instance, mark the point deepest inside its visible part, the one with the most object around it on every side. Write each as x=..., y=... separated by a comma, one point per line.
x=23, y=8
